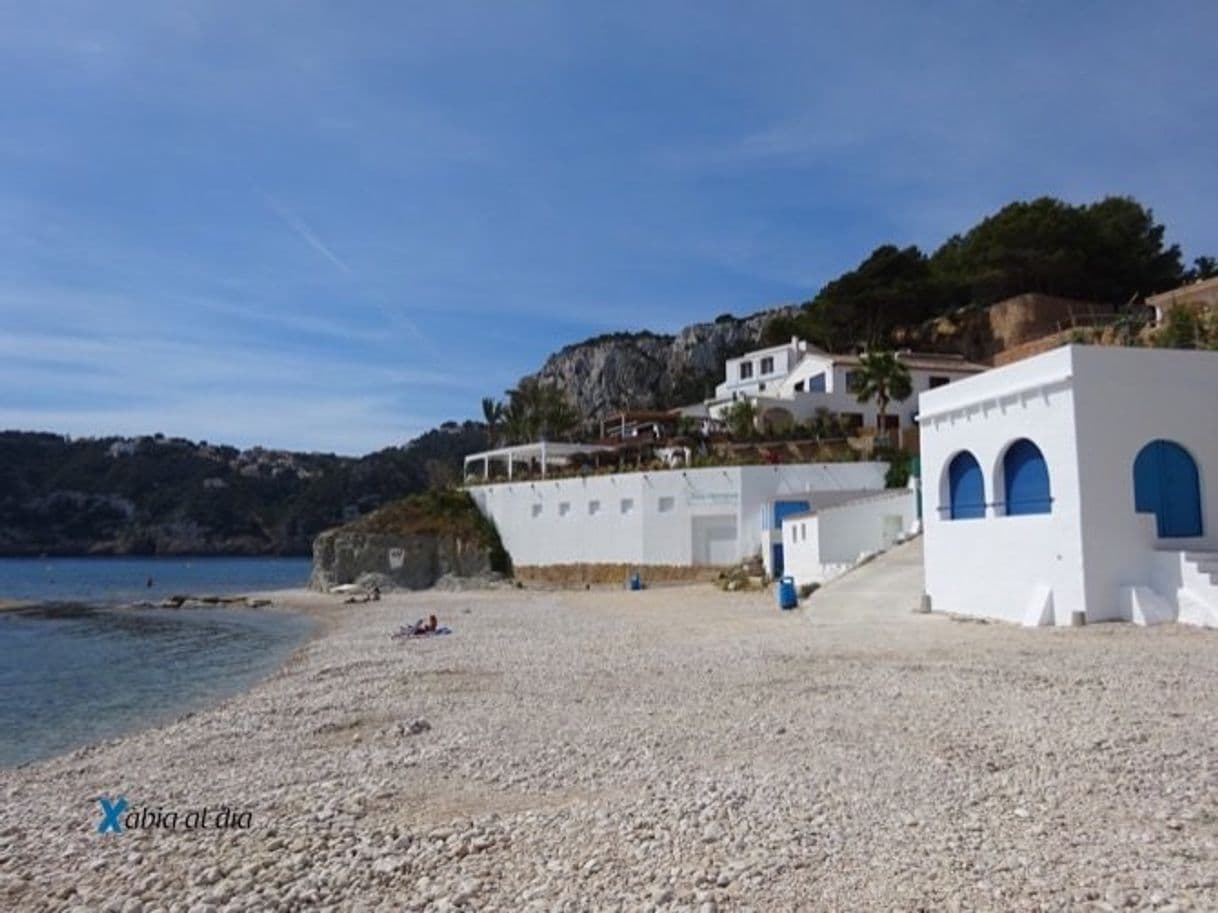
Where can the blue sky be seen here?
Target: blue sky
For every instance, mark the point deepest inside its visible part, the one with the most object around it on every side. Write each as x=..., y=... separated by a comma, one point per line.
x=333, y=225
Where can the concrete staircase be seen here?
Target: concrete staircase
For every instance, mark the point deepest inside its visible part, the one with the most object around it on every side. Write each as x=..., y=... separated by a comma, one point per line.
x=1198, y=595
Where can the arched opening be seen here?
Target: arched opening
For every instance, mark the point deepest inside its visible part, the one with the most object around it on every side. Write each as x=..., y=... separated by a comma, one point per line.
x=965, y=488
x=1165, y=483
x=777, y=420
x=1026, y=480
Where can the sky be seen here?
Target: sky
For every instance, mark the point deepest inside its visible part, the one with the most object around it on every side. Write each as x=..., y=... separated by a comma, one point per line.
x=331, y=226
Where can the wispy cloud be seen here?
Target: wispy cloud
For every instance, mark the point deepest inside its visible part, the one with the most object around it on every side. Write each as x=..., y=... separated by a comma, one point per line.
x=304, y=231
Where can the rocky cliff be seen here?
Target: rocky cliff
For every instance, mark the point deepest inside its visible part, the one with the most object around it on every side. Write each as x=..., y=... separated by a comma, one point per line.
x=410, y=544
x=650, y=370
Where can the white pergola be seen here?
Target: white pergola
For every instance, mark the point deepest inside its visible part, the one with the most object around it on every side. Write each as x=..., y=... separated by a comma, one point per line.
x=544, y=452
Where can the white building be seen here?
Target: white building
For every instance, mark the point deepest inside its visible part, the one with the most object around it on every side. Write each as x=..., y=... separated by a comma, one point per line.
x=708, y=516
x=827, y=541
x=792, y=382
x=1083, y=480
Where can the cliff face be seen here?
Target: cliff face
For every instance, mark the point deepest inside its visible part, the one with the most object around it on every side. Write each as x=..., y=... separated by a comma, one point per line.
x=652, y=371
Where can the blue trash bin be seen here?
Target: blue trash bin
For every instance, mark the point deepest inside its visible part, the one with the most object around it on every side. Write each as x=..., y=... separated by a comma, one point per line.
x=787, y=597
x=636, y=582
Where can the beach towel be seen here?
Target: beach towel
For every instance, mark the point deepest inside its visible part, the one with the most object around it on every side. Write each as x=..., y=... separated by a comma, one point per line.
x=406, y=632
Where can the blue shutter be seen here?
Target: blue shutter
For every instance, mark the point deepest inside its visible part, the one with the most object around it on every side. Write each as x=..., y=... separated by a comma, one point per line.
x=966, y=488
x=1027, y=479
x=1165, y=483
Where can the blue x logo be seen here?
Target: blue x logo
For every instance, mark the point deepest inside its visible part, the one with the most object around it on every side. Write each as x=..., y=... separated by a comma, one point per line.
x=112, y=812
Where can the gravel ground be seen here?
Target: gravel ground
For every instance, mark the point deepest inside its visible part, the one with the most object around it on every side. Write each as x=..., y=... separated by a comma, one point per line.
x=675, y=749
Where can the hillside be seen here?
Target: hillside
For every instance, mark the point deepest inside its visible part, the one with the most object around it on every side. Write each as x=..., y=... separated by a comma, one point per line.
x=156, y=495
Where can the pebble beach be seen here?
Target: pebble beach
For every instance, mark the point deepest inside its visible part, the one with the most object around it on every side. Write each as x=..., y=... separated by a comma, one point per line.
x=675, y=749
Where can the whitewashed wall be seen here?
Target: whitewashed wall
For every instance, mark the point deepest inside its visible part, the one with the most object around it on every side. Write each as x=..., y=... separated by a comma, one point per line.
x=819, y=546
x=675, y=517
x=998, y=566
x=1126, y=398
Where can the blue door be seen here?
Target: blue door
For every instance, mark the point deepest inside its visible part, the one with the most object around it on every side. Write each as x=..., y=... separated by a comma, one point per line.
x=776, y=559
x=966, y=488
x=1165, y=483
x=1027, y=479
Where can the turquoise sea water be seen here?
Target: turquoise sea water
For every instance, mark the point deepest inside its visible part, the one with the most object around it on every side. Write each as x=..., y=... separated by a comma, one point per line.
x=80, y=669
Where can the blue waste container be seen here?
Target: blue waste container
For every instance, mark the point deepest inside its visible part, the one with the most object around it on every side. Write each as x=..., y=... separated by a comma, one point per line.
x=787, y=597
x=636, y=582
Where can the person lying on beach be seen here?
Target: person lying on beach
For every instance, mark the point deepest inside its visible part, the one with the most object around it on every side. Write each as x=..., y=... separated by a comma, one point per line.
x=429, y=628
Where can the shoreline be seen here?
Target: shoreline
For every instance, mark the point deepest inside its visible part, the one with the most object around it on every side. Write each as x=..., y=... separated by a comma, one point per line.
x=682, y=748
x=268, y=601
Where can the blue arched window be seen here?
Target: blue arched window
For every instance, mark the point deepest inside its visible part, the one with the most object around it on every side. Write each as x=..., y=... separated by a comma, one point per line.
x=966, y=488
x=1027, y=479
x=1165, y=483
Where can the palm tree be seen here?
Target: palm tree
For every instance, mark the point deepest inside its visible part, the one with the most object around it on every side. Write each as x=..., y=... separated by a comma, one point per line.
x=884, y=378
x=538, y=410
x=492, y=411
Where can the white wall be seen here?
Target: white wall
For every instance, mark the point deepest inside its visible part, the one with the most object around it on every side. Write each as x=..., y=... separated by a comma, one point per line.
x=784, y=358
x=677, y=517
x=1125, y=399
x=1000, y=566
x=819, y=546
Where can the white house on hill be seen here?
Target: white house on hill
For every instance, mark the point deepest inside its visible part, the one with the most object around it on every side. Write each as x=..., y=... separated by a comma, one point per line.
x=1080, y=481
x=792, y=382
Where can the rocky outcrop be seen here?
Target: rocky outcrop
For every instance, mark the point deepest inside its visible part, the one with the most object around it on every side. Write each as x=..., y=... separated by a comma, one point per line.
x=412, y=562
x=649, y=370
x=410, y=544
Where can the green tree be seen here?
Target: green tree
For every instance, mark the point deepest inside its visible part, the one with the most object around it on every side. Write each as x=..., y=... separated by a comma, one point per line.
x=741, y=419
x=884, y=378
x=893, y=287
x=1203, y=268
x=1110, y=251
x=1183, y=329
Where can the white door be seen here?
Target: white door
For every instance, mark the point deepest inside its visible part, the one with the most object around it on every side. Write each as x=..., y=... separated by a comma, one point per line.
x=714, y=540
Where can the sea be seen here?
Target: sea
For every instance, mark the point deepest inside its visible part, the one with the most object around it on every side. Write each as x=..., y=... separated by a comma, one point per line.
x=79, y=665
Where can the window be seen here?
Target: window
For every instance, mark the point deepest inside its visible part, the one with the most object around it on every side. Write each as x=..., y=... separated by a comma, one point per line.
x=746, y=370
x=966, y=488
x=851, y=421
x=594, y=508
x=1026, y=480
x=627, y=505
x=1165, y=483
x=767, y=365
x=536, y=510
x=939, y=381
x=666, y=504
x=854, y=380
x=564, y=508
x=816, y=384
